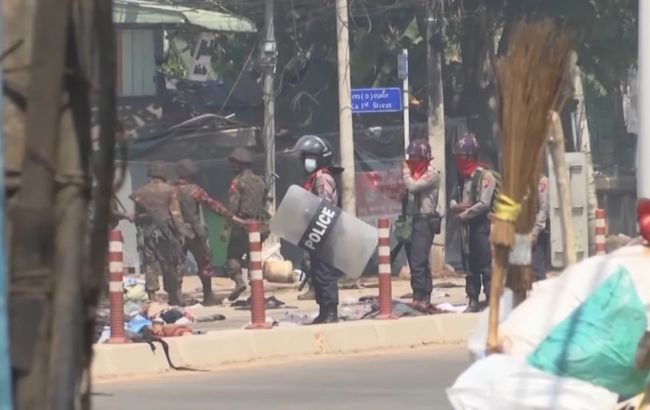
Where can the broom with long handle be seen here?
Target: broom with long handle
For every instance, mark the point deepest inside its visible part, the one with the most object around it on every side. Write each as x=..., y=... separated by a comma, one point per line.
x=531, y=78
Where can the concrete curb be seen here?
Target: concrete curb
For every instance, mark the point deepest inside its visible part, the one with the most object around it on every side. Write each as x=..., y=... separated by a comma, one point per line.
x=242, y=346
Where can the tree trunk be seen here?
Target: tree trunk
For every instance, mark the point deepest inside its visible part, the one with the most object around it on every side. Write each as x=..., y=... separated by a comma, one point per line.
x=436, y=110
x=478, y=100
x=18, y=16
x=32, y=214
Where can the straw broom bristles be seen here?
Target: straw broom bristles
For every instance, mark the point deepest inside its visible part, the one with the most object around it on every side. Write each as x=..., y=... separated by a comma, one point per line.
x=531, y=79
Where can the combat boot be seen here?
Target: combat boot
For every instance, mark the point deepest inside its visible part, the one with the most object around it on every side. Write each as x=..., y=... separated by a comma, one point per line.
x=328, y=314
x=422, y=302
x=473, y=306
x=308, y=295
x=240, y=287
x=209, y=298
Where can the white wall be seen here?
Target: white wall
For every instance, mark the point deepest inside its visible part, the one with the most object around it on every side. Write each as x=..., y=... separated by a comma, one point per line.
x=131, y=257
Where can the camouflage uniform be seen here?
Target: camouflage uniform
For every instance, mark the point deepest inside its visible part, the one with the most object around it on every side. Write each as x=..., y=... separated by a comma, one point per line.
x=190, y=198
x=159, y=219
x=246, y=201
x=540, y=234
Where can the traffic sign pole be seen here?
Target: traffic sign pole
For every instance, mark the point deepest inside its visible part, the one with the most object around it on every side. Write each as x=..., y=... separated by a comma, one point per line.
x=643, y=138
x=403, y=64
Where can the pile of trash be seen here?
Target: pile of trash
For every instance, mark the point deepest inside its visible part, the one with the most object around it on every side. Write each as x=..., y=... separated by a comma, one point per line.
x=571, y=345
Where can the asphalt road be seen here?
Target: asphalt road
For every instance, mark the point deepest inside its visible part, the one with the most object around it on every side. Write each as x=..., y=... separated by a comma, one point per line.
x=409, y=380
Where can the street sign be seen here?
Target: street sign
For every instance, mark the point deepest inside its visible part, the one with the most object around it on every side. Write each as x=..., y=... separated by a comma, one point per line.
x=374, y=100
x=403, y=65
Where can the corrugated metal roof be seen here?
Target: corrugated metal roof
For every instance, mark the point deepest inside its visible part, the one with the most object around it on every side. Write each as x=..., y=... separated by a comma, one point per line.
x=151, y=12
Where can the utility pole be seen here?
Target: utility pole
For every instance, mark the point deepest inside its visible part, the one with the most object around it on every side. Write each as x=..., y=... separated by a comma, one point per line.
x=643, y=141
x=346, y=135
x=436, y=106
x=268, y=61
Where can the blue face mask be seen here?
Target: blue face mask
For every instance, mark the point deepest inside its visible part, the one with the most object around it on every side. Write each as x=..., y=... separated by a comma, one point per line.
x=310, y=165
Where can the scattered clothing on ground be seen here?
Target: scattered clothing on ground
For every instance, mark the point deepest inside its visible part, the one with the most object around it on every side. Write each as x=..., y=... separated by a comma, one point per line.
x=270, y=303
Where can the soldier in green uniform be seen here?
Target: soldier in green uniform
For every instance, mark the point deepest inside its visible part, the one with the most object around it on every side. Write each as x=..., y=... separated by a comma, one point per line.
x=246, y=199
x=190, y=197
x=158, y=217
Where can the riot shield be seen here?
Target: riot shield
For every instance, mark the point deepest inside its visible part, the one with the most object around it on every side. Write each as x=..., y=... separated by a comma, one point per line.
x=321, y=228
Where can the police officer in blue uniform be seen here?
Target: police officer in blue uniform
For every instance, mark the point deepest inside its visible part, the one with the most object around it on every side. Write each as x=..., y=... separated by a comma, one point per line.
x=317, y=158
x=472, y=204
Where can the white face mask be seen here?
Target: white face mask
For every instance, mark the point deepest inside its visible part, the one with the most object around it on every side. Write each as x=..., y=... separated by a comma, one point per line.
x=310, y=164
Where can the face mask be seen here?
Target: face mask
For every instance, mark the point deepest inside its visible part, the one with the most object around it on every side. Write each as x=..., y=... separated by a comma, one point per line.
x=465, y=166
x=418, y=167
x=310, y=165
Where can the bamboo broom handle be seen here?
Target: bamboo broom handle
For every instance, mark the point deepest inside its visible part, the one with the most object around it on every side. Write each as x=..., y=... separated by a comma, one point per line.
x=499, y=266
x=561, y=170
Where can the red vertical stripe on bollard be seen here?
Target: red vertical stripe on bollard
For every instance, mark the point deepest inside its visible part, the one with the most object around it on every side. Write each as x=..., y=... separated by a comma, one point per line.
x=601, y=232
x=385, y=285
x=115, y=287
x=256, y=278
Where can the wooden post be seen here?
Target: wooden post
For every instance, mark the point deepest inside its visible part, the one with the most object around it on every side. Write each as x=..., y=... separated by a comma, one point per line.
x=561, y=170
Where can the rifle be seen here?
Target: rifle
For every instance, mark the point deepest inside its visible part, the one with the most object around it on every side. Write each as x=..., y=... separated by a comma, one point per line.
x=464, y=234
x=269, y=182
x=407, y=205
x=119, y=203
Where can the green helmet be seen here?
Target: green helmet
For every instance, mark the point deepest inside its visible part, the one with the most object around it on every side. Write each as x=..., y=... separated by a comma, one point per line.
x=241, y=155
x=186, y=169
x=157, y=170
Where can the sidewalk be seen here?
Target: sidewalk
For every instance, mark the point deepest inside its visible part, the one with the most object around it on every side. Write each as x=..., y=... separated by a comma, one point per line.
x=236, y=318
x=229, y=347
x=226, y=342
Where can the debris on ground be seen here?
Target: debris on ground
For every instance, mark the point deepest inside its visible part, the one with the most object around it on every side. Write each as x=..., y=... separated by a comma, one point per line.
x=134, y=290
x=400, y=309
x=448, y=307
x=270, y=302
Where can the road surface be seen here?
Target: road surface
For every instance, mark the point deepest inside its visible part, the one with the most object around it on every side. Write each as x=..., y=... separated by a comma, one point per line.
x=408, y=380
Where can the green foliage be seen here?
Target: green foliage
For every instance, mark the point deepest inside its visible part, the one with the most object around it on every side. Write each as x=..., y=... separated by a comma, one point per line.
x=174, y=66
x=606, y=33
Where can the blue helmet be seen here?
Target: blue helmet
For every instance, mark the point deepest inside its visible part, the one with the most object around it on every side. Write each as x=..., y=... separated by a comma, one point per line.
x=419, y=149
x=466, y=145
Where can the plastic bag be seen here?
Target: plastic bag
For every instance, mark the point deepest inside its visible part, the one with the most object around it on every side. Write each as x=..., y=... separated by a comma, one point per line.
x=551, y=302
x=271, y=249
x=501, y=382
x=477, y=338
x=597, y=342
